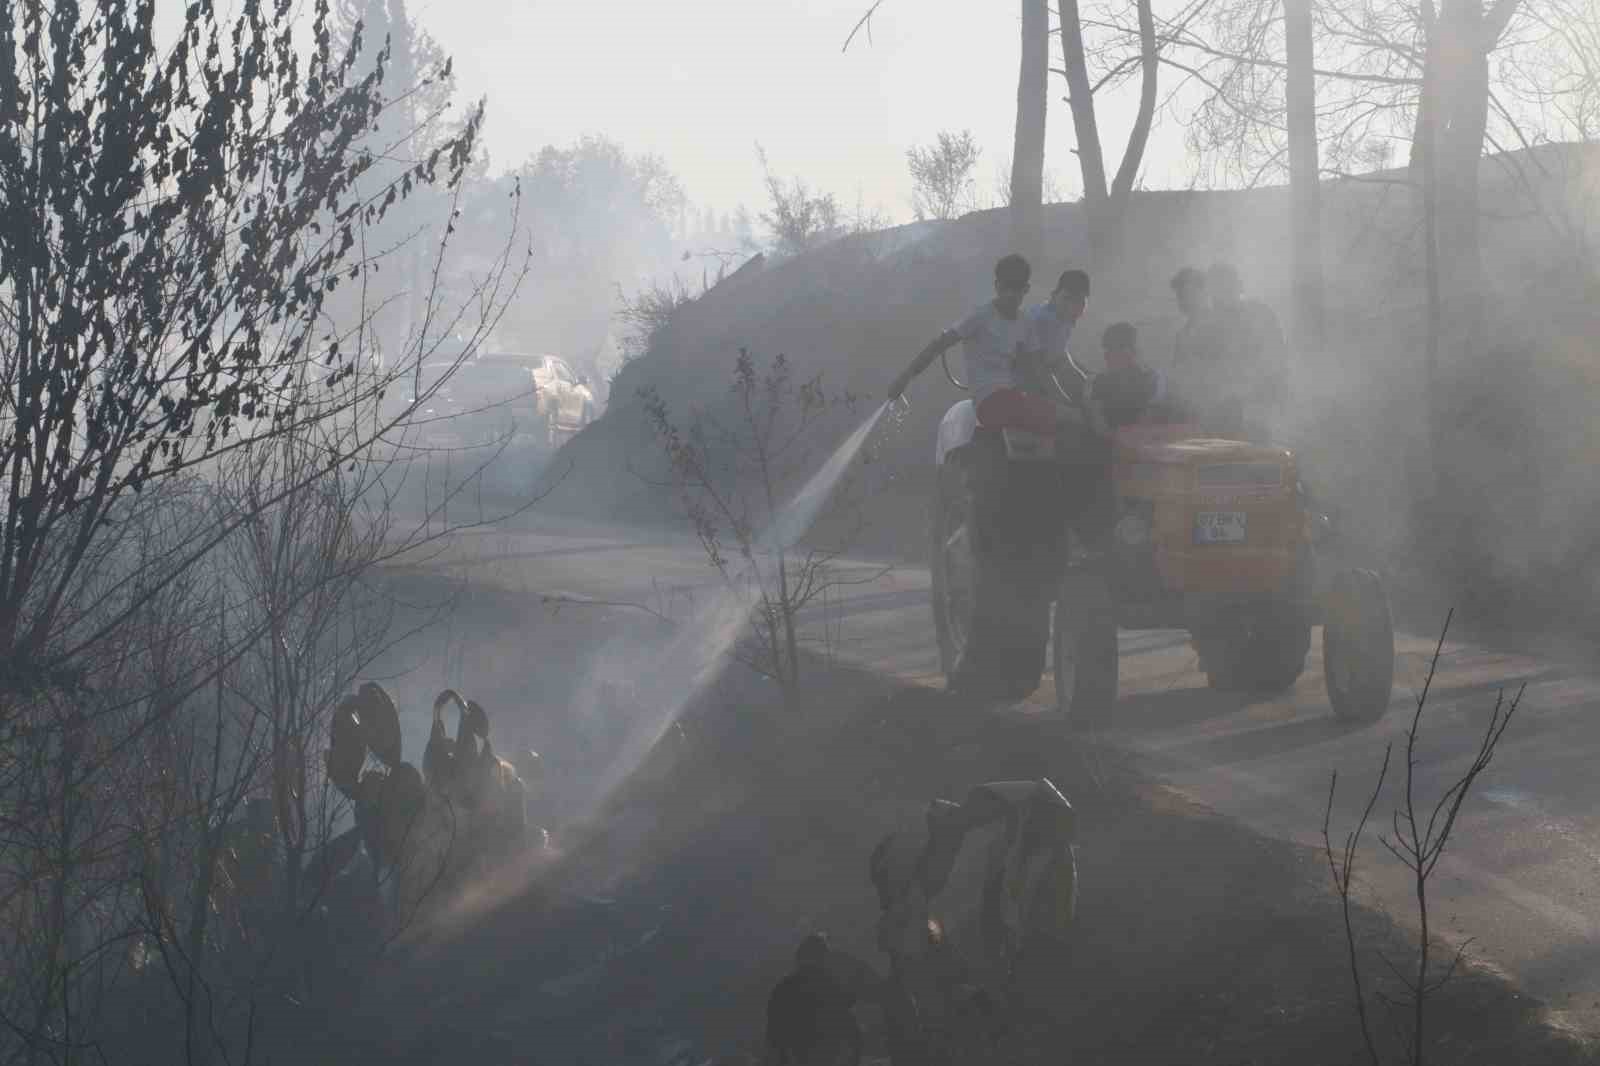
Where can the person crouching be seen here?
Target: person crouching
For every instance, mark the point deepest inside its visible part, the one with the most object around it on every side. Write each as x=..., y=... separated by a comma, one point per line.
x=809, y=1016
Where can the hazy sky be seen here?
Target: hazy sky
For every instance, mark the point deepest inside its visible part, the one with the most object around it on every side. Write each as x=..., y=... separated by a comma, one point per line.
x=699, y=82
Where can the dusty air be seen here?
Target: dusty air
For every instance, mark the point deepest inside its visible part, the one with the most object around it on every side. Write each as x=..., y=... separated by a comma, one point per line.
x=866, y=533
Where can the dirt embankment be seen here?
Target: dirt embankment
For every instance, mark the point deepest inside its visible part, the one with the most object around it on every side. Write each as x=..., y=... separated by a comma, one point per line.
x=658, y=936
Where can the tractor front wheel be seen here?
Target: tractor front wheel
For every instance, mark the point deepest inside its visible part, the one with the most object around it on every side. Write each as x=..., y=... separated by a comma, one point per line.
x=1358, y=646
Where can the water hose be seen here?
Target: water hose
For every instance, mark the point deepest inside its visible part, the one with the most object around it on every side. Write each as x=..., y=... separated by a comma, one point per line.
x=944, y=361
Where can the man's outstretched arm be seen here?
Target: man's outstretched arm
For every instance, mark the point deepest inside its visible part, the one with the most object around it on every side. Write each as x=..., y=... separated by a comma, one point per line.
x=940, y=344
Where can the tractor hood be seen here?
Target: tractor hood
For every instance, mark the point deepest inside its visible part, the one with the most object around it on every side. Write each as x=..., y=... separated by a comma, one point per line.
x=1179, y=445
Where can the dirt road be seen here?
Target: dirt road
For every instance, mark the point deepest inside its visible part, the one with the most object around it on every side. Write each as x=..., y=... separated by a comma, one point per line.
x=1517, y=879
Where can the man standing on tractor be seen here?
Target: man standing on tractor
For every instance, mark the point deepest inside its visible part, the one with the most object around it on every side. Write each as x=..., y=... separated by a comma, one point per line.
x=1195, y=340
x=1196, y=355
x=1021, y=509
x=1254, y=363
x=1050, y=325
x=992, y=337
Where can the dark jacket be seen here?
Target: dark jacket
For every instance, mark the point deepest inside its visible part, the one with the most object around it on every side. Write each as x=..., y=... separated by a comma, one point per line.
x=1125, y=393
x=809, y=1020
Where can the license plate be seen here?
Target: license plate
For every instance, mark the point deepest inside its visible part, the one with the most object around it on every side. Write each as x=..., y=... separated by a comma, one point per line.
x=1219, y=527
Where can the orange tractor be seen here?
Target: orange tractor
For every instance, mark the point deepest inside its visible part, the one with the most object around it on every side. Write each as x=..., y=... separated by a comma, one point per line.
x=1213, y=536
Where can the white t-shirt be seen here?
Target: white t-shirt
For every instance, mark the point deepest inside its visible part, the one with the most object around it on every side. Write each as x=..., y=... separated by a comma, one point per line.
x=1049, y=333
x=990, y=343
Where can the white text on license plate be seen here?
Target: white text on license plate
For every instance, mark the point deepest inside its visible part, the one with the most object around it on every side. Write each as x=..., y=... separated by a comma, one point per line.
x=1219, y=527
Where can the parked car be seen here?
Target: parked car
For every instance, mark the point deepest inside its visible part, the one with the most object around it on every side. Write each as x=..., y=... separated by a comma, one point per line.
x=477, y=404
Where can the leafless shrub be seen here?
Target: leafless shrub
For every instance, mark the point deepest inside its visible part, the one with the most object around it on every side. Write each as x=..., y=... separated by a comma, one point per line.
x=942, y=175
x=1053, y=193
x=799, y=218
x=734, y=479
x=1417, y=840
x=646, y=314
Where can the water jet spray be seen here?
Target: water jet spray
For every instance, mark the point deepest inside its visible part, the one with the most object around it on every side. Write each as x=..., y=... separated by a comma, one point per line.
x=674, y=674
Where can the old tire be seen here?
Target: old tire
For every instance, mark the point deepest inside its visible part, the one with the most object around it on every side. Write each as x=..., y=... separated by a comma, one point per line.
x=952, y=564
x=1264, y=655
x=1083, y=650
x=1358, y=646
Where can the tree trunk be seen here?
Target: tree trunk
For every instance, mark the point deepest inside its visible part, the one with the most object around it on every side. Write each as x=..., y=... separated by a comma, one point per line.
x=1080, y=98
x=1304, y=183
x=1106, y=230
x=1452, y=118
x=1027, y=155
x=1421, y=132
x=1459, y=154
x=1427, y=161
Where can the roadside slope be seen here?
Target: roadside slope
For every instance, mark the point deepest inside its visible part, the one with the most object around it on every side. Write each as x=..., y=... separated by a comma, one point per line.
x=658, y=936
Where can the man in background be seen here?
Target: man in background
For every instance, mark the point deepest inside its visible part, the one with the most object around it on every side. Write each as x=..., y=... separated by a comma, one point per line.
x=1253, y=355
x=1194, y=372
x=1195, y=344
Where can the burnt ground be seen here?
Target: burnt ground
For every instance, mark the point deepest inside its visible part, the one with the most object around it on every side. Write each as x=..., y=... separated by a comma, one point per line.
x=657, y=934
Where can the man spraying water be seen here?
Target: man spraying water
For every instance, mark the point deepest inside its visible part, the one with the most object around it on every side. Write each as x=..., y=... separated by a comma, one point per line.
x=1008, y=352
x=1023, y=510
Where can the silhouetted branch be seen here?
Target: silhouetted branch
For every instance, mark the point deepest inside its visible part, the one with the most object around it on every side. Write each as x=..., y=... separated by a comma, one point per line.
x=1418, y=846
x=864, y=22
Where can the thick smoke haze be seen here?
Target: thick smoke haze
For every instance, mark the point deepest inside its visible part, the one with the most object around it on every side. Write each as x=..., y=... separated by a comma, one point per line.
x=531, y=361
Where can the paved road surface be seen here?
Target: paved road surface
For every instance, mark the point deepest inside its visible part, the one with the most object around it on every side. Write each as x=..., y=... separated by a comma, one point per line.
x=1520, y=878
